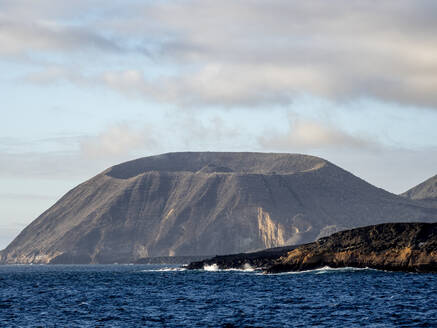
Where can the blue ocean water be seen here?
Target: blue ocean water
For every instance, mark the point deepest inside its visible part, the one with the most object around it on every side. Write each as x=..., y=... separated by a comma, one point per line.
x=162, y=296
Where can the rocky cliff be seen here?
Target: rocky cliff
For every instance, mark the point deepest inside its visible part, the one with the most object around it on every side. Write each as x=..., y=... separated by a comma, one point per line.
x=205, y=203
x=394, y=247
x=389, y=246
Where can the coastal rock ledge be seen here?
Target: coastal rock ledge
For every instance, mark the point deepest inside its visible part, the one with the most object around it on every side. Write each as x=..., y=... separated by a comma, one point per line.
x=408, y=247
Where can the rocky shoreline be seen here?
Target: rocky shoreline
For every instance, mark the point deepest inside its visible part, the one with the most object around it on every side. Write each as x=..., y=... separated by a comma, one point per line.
x=408, y=247
x=261, y=260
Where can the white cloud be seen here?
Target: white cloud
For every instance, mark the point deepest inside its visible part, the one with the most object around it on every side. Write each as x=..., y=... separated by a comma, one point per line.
x=117, y=141
x=42, y=36
x=308, y=135
x=244, y=52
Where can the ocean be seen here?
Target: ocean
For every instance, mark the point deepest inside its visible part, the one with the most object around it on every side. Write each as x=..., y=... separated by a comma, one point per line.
x=169, y=296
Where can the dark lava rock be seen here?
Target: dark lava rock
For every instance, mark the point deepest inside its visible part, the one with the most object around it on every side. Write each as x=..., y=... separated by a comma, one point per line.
x=410, y=247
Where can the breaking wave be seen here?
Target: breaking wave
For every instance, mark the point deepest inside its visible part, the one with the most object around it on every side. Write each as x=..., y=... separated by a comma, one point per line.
x=327, y=269
x=214, y=267
x=167, y=269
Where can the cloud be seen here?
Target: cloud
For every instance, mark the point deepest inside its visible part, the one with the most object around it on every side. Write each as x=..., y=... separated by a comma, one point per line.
x=117, y=141
x=224, y=85
x=44, y=36
x=199, y=133
x=250, y=52
x=308, y=135
x=244, y=52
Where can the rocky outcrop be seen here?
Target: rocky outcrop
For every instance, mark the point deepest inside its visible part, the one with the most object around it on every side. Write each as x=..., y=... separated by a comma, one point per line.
x=408, y=247
x=196, y=204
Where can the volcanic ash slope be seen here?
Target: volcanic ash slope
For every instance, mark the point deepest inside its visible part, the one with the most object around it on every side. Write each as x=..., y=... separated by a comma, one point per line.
x=205, y=203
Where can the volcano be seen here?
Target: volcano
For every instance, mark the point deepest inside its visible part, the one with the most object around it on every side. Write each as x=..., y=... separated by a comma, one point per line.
x=206, y=203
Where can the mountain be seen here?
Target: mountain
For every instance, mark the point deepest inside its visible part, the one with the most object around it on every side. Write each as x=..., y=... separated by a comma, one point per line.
x=391, y=246
x=205, y=203
x=388, y=246
x=426, y=191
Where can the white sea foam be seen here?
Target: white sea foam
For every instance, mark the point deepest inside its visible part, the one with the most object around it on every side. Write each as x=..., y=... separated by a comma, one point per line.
x=326, y=269
x=212, y=267
x=173, y=269
x=248, y=267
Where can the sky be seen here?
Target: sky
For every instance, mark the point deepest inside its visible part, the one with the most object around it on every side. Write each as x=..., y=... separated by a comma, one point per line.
x=88, y=84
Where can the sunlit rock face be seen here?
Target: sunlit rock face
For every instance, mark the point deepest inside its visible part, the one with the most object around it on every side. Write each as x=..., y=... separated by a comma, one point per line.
x=205, y=203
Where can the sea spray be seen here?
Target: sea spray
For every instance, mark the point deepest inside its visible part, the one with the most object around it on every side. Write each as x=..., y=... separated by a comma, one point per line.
x=212, y=267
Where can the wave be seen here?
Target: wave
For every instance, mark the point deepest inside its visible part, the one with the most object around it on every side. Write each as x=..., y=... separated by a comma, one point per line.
x=327, y=269
x=214, y=267
x=178, y=269
x=248, y=268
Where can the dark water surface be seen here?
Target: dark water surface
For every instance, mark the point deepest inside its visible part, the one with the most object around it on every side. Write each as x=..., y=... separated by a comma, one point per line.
x=153, y=296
